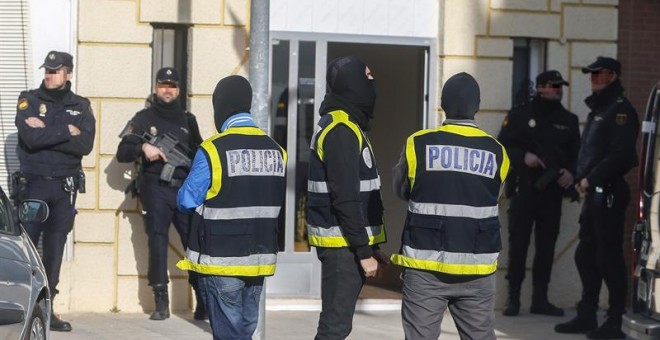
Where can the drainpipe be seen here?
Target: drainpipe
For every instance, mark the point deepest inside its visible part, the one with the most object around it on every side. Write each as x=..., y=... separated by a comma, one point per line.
x=259, y=75
x=259, y=67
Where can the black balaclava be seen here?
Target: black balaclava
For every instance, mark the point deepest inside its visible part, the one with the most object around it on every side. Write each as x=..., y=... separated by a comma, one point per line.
x=347, y=79
x=232, y=95
x=460, y=97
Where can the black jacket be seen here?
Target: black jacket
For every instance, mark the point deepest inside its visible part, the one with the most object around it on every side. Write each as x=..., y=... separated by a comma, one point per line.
x=546, y=129
x=608, y=149
x=342, y=163
x=53, y=151
x=157, y=120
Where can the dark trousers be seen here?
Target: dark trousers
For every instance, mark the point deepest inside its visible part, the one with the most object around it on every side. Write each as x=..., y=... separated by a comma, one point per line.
x=426, y=296
x=599, y=255
x=159, y=210
x=55, y=229
x=342, y=279
x=541, y=211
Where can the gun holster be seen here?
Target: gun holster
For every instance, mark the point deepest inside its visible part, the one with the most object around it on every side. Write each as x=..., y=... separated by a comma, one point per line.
x=18, y=186
x=80, y=182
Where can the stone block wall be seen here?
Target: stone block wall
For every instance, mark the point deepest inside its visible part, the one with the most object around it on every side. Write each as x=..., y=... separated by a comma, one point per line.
x=476, y=37
x=108, y=268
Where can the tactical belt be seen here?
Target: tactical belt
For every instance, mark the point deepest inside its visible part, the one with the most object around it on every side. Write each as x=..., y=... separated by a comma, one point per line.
x=44, y=178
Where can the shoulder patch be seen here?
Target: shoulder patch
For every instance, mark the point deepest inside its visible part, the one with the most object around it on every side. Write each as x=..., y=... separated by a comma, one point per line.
x=621, y=118
x=23, y=104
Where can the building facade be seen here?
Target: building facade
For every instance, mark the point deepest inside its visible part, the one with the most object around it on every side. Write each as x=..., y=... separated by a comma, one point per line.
x=412, y=47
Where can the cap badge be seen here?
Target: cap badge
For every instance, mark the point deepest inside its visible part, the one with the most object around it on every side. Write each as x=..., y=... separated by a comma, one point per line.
x=531, y=123
x=621, y=118
x=168, y=72
x=51, y=56
x=23, y=104
x=42, y=109
x=153, y=131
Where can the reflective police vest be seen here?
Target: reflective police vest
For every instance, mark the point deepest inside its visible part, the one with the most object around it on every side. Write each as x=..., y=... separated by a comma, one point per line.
x=456, y=173
x=322, y=226
x=234, y=233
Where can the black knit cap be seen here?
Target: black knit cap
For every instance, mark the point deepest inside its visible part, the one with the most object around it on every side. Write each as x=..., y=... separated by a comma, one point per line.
x=460, y=97
x=232, y=95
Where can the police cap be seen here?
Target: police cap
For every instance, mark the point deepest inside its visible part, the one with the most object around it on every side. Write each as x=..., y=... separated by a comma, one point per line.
x=167, y=75
x=551, y=77
x=55, y=60
x=601, y=63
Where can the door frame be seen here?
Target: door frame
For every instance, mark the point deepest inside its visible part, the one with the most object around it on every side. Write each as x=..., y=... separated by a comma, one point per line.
x=290, y=262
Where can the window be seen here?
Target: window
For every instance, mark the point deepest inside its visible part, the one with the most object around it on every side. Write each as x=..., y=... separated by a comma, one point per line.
x=170, y=49
x=528, y=61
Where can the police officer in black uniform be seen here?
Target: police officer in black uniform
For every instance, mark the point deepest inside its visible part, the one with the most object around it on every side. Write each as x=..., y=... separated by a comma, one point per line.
x=56, y=129
x=158, y=197
x=607, y=153
x=543, y=140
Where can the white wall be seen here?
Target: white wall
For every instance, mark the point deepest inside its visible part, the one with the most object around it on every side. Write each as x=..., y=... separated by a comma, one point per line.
x=53, y=28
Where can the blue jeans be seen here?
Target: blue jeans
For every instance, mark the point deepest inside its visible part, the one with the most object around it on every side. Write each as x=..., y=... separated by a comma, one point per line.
x=232, y=304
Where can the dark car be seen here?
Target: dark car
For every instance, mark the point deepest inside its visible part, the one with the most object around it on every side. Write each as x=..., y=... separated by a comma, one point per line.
x=25, y=305
x=643, y=322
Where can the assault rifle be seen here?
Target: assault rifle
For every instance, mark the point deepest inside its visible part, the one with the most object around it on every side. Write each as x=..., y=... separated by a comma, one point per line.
x=170, y=146
x=175, y=151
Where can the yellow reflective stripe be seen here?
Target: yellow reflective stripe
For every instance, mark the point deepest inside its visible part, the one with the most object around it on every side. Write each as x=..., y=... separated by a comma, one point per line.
x=411, y=155
x=255, y=270
x=449, y=268
x=216, y=165
x=338, y=117
x=504, y=168
x=463, y=130
x=317, y=239
x=340, y=241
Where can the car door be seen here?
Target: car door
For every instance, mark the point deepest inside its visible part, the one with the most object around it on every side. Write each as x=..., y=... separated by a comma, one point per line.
x=15, y=274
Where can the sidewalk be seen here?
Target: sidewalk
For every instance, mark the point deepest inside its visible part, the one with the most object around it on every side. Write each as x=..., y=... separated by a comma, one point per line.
x=293, y=325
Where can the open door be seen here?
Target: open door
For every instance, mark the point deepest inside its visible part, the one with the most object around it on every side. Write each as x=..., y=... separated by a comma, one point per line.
x=298, y=87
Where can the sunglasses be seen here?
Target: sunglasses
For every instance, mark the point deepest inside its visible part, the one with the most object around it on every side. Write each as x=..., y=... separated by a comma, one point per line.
x=49, y=71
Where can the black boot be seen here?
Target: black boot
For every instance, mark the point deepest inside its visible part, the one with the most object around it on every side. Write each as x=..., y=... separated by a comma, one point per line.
x=200, y=309
x=584, y=322
x=611, y=329
x=57, y=324
x=162, y=299
x=541, y=305
x=512, y=307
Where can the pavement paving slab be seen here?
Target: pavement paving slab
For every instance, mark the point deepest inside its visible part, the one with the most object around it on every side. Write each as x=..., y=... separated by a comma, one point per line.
x=294, y=325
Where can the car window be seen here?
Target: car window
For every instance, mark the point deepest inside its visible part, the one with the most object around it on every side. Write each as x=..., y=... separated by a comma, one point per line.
x=5, y=219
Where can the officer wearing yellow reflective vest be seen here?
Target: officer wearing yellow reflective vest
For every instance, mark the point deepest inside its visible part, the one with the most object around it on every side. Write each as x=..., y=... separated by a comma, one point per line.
x=236, y=188
x=344, y=207
x=451, y=177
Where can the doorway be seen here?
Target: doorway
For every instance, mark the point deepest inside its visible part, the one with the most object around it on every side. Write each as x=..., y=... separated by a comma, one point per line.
x=298, y=87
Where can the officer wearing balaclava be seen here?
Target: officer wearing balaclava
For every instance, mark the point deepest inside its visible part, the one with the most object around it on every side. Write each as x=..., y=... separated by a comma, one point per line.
x=451, y=177
x=236, y=188
x=344, y=207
